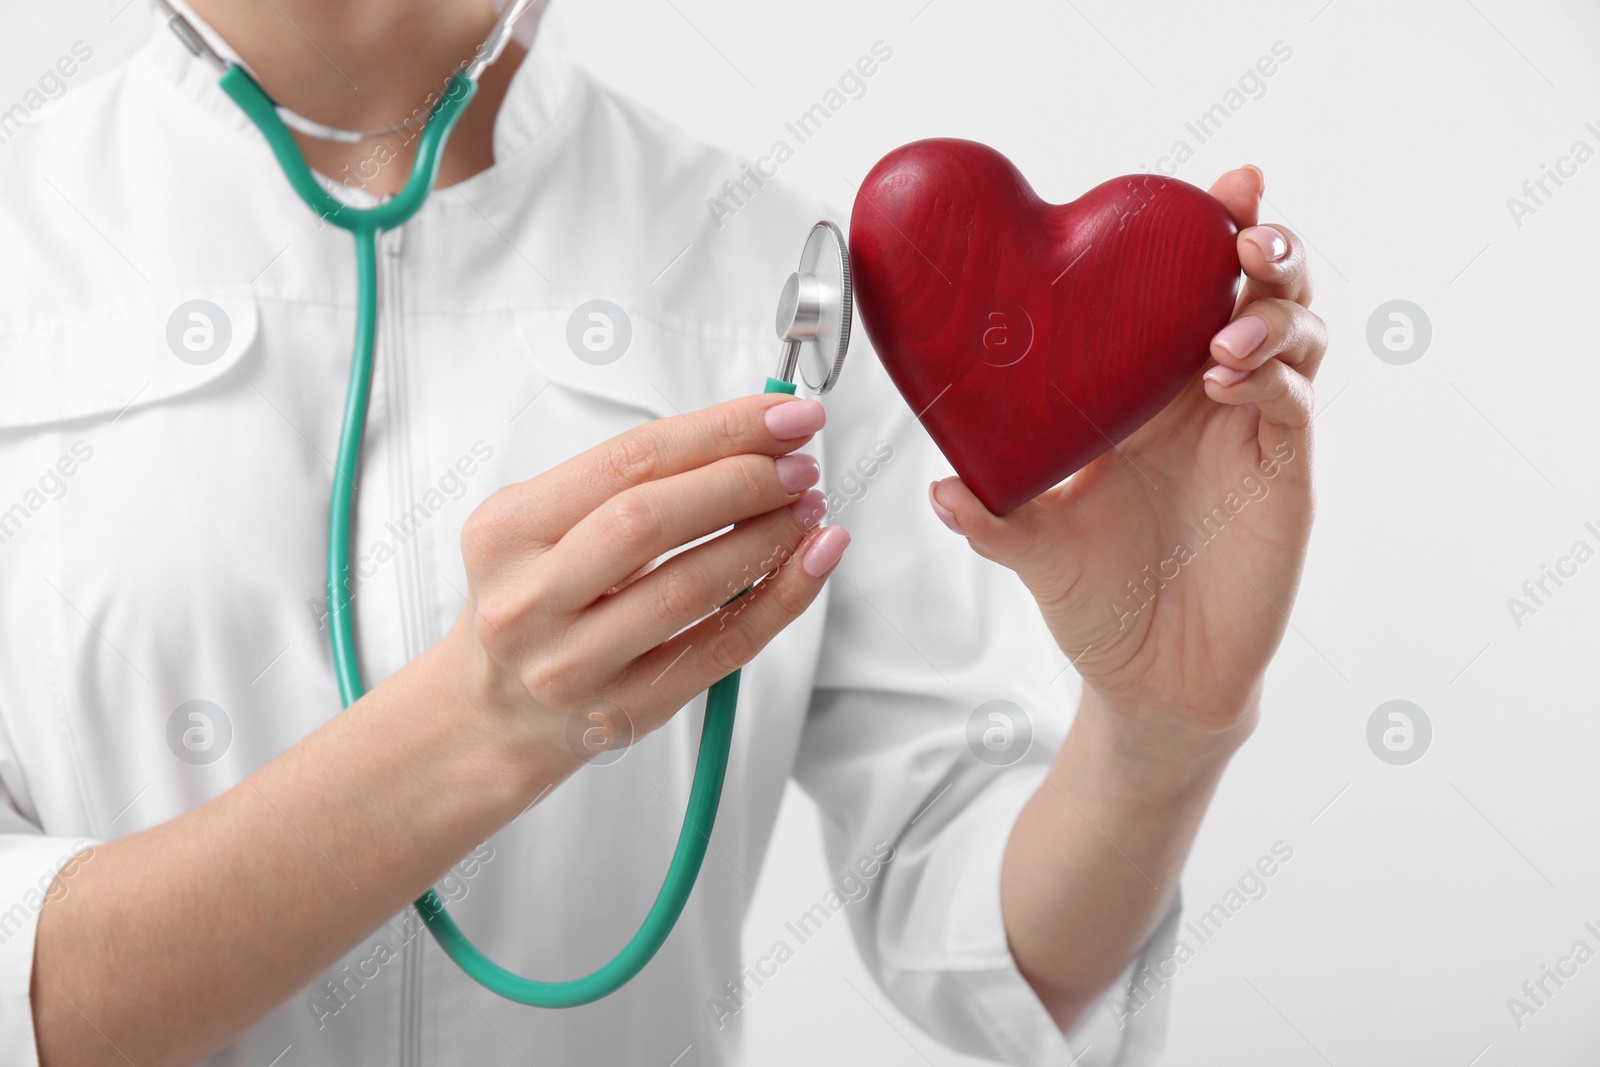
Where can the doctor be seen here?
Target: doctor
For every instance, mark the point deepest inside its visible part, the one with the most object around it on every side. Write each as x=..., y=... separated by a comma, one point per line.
x=200, y=858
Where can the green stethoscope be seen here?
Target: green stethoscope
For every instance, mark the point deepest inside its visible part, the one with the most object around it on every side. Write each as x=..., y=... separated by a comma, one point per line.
x=814, y=314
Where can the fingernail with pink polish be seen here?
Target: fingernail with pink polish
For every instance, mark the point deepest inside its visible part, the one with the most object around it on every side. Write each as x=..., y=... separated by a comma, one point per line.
x=946, y=516
x=797, y=471
x=1270, y=240
x=809, y=509
x=794, y=418
x=825, y=551
x=1240, y=337
x=1226, y=375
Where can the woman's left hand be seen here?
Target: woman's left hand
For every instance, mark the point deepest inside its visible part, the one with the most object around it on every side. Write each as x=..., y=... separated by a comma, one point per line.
x=1166, y=568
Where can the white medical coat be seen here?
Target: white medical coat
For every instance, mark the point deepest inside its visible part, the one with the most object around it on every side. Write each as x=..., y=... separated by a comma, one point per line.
x=162, y=525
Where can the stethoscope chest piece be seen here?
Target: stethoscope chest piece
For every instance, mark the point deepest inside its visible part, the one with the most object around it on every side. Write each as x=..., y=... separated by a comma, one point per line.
x=814, y=312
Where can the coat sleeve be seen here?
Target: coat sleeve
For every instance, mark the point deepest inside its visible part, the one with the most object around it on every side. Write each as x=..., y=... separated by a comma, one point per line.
x=926, y=644
x=34, y=868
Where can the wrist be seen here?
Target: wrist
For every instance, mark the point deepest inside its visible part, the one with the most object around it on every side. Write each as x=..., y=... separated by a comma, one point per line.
x=1149, y=757
x=520, y=748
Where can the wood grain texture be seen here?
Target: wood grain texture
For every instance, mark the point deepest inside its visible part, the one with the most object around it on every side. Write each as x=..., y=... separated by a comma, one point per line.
x=1030, y=337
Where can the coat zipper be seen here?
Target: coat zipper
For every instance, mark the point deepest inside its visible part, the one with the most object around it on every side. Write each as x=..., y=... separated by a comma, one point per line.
x=391, y=358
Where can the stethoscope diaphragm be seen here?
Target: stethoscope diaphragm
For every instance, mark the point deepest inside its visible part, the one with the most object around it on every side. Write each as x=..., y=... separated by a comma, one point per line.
x=814, y=312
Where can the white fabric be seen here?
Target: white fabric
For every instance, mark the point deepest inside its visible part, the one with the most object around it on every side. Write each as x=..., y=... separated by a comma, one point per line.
x=162, y=536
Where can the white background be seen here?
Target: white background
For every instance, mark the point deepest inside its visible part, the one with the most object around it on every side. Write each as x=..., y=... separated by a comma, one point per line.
x=1419, y=898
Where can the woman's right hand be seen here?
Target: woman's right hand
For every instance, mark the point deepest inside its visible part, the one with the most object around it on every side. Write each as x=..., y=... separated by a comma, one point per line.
x=571, y=632
x=569, y=644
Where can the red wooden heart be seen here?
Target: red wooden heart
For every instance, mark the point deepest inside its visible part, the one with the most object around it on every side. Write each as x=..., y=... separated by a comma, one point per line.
x=1030, y=337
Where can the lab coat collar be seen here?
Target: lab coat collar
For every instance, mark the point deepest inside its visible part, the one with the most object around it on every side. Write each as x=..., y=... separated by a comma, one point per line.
x=538, y=90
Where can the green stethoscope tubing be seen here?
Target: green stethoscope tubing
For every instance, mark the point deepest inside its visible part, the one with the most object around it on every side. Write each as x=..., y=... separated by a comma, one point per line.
x=716, y=734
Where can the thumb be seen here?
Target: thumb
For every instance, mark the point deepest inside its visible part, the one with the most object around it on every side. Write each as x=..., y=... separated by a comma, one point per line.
x=1240, y=192
x=1020, y=540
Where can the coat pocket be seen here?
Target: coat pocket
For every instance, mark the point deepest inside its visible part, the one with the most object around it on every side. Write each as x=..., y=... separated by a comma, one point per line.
x=106, y=365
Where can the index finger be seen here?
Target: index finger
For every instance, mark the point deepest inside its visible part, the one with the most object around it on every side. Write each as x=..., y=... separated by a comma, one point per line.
x=546, y=506
x=1275, y=268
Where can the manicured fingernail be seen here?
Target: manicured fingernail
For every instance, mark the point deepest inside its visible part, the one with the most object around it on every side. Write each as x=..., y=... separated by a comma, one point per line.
x=1269, y=240
x=1239, y=338
x=825, y=551
x=795, y=418
x=1261, y=178
x=797, y=471
x=1226, y=375
x=809, y=509
x=946, y=516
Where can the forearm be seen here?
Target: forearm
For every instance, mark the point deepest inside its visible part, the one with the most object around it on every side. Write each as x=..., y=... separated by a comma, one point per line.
x=1094, y=859
x=231, y=907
